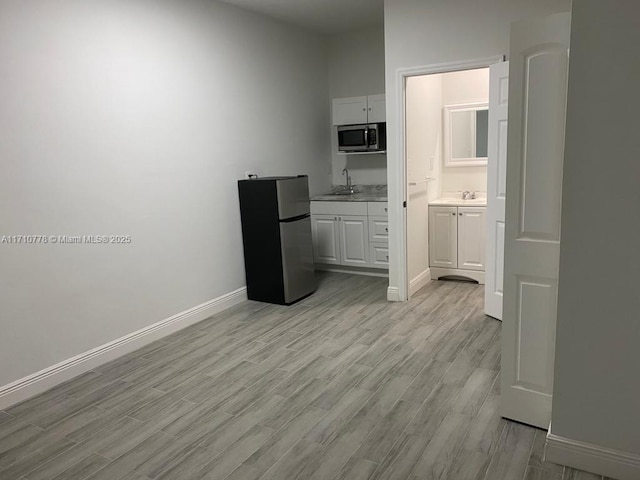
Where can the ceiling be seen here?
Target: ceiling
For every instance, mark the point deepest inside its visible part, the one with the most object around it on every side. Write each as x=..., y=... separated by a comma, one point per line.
x=323, y=16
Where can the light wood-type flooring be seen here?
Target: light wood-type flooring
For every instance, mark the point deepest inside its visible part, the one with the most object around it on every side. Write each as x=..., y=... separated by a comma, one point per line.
x=342, y=385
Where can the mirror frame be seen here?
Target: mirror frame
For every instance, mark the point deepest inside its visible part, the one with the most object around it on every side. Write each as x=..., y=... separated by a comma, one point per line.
x=448, y=110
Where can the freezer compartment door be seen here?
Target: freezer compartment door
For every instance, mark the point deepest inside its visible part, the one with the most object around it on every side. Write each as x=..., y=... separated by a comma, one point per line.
x=297, y=259
x=293, y=197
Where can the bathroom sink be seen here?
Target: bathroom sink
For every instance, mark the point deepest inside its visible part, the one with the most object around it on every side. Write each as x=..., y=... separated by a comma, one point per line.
x=459, y=202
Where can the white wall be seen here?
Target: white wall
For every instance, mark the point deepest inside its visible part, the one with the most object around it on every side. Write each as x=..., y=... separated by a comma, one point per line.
x=471, y=86
x=424, y=157
x=596, y=390
x=132, y=118
x=421, y=33
x=424, y=130
x=356, y=67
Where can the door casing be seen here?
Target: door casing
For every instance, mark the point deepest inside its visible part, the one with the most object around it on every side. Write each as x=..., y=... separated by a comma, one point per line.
x=397, y=210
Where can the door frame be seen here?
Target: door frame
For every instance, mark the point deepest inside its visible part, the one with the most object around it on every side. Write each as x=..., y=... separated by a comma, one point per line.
x=398, y=251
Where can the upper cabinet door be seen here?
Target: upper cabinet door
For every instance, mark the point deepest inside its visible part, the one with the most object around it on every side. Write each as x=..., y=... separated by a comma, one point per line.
x=376, y=109
x=471, y=238
x=349, y=111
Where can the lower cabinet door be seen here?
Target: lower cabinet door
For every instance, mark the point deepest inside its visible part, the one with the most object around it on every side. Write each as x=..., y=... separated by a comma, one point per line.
x=354, y=240
x=471, y=238
x=443, y=237
x=379, y=255
x=326, y=239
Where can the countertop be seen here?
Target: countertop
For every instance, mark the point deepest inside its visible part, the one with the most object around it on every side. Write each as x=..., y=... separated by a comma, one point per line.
x=458, y=202
x=365, y=193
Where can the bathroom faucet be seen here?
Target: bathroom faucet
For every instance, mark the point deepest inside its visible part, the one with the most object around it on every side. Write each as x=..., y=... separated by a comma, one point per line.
x=349, y=186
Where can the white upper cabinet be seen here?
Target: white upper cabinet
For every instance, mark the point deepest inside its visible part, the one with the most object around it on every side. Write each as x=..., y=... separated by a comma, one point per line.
x=376, y=109
x=357, y=110
x=349, y=111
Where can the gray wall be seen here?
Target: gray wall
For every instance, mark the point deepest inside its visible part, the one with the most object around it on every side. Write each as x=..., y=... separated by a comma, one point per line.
x=132, y=118
x=597, y=387
x=356, y=68
x=421, y=33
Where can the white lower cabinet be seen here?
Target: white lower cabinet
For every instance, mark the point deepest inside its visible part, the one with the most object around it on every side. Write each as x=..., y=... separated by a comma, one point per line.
x=472, y=227
x=457, y=238
x=443, y=237
x=344, y=233
x=379, y=255
x=326, y=239
x=354, y=241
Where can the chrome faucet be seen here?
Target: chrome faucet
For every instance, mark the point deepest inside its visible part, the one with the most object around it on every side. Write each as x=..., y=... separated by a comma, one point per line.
x=349, y=187
x=467, y=195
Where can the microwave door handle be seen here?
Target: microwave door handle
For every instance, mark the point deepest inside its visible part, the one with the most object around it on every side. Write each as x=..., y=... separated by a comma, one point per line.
x=366, y=138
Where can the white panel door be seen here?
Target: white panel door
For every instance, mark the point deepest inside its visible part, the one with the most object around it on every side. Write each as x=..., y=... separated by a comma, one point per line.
x=376, y=109
x=472, y=234
x=349, y=111
x=326, y=239
x=354, y=240
x=496, y=188
x=539, y=59
x=443, y=237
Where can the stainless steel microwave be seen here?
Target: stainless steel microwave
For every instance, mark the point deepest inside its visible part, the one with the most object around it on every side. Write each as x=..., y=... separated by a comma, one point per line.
x=370, y=137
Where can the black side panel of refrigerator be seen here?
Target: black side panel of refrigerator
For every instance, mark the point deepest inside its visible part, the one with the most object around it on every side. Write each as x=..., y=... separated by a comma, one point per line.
x=261, y=240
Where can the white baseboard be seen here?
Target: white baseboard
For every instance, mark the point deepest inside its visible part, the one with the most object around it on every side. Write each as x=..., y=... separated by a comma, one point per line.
x=420, y=281
x=43, y=380
x=393, y=294
x=592, y=458
x=371, y=272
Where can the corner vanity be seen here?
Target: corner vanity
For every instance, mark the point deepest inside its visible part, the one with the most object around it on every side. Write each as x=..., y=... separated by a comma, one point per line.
x=457, y=238
x=352, y=231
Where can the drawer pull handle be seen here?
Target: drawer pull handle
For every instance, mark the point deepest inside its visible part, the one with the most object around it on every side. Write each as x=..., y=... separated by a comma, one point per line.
x=386, y=229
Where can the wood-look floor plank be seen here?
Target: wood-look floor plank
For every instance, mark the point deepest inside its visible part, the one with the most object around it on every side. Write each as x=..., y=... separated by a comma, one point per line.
x=82, y=469
x=573, y=474
x=512, y=453
x=534, y=473
x=342, y=385
x=536, y=457
x=438, y=457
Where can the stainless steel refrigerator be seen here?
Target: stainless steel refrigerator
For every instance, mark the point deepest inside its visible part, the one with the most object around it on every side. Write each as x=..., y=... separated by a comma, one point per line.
x=276, y=234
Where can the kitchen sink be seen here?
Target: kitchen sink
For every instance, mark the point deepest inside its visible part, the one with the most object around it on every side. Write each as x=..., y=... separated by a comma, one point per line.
x=343, y=193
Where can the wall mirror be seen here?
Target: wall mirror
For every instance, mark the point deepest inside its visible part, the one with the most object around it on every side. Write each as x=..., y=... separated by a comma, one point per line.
x=466, y=134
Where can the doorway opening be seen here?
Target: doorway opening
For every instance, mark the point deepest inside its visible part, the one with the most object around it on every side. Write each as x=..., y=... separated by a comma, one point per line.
x=446, y=143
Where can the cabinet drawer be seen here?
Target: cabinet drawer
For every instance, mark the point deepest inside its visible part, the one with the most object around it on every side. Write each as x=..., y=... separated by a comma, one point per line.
x=338, y=208
x=379, y=229
x=379, y=255
x=377, y=209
